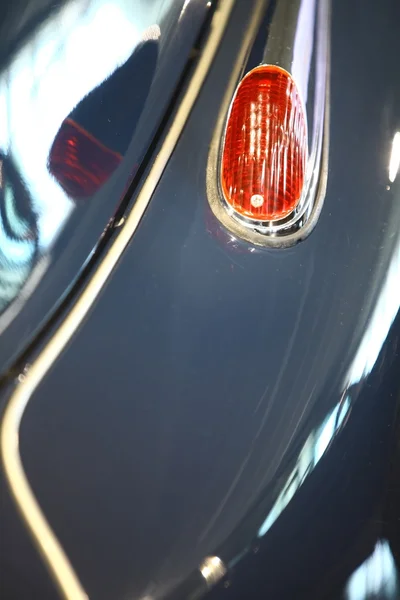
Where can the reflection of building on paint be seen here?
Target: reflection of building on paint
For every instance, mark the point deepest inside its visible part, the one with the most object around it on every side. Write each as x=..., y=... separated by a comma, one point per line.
x=376, y=577
x=313, y=450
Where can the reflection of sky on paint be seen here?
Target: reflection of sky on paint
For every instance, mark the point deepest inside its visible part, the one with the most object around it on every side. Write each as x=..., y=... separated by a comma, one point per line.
x=311, y=453
x=376, y=578
x=71, y=54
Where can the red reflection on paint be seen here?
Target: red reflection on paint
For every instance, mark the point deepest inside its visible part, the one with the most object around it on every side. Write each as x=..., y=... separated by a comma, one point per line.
x=79, y=162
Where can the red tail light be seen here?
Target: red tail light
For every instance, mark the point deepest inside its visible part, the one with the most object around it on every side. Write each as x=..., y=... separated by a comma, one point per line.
x=265, y=149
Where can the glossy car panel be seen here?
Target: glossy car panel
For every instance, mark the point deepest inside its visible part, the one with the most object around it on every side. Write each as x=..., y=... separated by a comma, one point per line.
x=83, y=92
x=239, y=402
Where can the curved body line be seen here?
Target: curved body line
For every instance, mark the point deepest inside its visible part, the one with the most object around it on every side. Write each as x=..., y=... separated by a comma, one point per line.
x=45, y=539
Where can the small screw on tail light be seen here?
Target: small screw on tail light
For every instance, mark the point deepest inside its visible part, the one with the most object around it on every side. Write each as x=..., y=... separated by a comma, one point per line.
x=265, y=148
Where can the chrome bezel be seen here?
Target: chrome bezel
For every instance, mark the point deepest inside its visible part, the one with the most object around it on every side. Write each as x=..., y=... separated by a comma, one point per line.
x=263, y=226
x=288, y=230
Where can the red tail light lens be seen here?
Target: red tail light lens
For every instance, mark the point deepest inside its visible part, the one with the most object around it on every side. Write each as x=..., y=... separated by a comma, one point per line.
x=265, y=149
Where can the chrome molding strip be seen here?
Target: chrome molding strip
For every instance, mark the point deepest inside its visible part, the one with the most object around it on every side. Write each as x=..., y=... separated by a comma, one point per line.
x=287, y=24
x=43, y=536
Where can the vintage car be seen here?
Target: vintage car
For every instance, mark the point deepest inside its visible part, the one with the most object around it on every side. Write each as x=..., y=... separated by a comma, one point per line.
x=199, y=296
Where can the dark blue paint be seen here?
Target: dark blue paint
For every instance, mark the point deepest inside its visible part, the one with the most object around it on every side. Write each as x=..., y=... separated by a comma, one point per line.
x=340, y=513
x=170, y=425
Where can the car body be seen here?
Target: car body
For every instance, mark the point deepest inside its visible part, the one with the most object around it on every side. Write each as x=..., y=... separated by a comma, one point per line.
x=187, y=412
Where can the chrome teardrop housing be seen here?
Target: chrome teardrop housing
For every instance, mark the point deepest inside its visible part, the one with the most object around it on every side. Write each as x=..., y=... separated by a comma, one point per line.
x=298, y=41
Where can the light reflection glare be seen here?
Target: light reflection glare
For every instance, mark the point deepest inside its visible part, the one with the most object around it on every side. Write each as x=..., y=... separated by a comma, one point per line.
x=313, y=450
x=253, y=118
x=152, y=33
x=212, y=569
x=384, y=314
x=376, y=577
x=184, y=7
x=394, y=162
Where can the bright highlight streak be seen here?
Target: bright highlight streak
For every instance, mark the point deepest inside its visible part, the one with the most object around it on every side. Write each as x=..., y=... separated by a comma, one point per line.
x=183, y=9
x=384, y=314
x=394, y=162
x=376, y=577
x=311, y=453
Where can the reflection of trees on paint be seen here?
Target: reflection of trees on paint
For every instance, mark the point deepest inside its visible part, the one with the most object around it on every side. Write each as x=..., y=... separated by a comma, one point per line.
x=18, y=233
